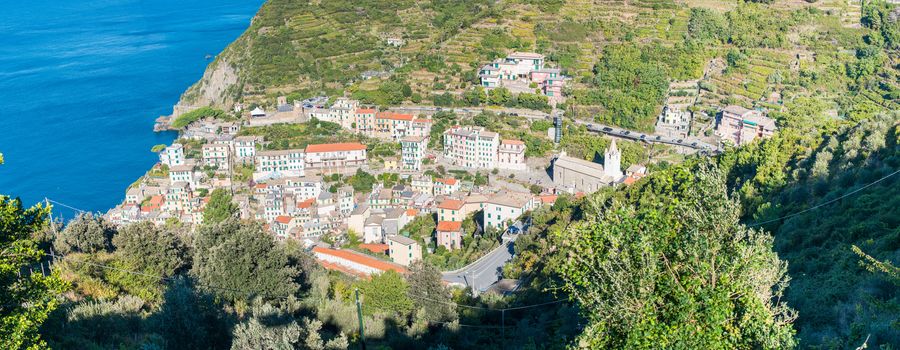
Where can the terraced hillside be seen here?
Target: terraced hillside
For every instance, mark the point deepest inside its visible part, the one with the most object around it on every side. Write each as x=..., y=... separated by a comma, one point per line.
x=742, y=53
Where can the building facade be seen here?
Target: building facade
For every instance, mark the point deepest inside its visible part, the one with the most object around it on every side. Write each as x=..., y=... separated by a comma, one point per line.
x=511, y=155
x=739, y=126
x=471, y=147
x=403, y=250
x=278, y=164
x=412, y=150
x=335, y=156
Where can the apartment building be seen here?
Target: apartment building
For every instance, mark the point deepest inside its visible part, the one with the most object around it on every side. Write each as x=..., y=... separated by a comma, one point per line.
x=365, y=120
x=449, y=234
x=511, y=155
x=505, y=207
x=278, y=164
x=739, y=126
x=471, y=147
x=412, y=152
x=216, y=155
x=172, y=156
x=245, y=147
x=335, y=156
x=403, y=250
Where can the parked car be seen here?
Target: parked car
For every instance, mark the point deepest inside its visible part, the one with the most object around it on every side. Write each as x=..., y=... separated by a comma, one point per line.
x=658, y=138
x=643, y=137
x=627, y=132
x=679, y=140
x=694, y=144
x=607, y=129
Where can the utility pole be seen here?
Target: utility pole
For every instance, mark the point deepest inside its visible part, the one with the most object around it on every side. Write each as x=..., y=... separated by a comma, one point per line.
x=474, y=292
x=362, y=337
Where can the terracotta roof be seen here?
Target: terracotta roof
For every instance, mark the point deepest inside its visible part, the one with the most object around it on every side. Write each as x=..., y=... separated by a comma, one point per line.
x=261, y=185
x=360, y=259
x=512, y=142
x=448, y=181
x=450, y=226
x=375, y=248
x=394, y=116
x=451, y=204
x=283, y=219
x=306, y=204
x=548, y=198
x=335, y=147
x=365, y=110
x=412, y=212
x=157, y=199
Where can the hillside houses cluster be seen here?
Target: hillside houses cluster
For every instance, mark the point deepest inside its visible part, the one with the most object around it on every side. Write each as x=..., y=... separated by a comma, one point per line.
x=521, y=72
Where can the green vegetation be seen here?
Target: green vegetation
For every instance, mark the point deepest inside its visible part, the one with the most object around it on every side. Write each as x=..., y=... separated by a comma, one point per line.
x=197, y=114
x=157, y=148
x=220, y=207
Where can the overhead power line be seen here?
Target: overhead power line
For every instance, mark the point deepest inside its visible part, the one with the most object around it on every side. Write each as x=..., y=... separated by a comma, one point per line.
x=826, y=202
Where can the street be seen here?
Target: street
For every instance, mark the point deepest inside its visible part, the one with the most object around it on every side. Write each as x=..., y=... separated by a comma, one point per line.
x=489, y=268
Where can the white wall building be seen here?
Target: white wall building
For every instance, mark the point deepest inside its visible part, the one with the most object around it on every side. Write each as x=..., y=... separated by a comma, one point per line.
x=172, y=156
x=506, y=207
x=511, y=155
x=245, y=147
x=403, y=250
x=216, y=155
x=278, y=164
x=471, y=147
x=335, y=156
x=413, y=152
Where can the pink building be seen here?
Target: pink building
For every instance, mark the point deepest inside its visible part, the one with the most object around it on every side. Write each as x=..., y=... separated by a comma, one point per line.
x=449, y=234
x=511, y=155
x=365, y=120
x=741, y=126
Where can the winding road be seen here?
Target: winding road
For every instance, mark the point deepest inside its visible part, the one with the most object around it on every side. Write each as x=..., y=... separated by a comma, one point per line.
x=489, y=268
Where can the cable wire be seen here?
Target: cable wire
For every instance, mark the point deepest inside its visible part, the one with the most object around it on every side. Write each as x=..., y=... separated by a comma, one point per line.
x=826, y=202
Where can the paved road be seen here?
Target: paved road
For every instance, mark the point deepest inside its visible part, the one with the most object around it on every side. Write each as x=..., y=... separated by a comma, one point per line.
x=489, y=268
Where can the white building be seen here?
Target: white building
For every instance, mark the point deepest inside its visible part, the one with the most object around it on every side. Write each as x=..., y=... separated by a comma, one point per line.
x=506, y=207
x=245, y=147
x=673, y=122
x=471, y=147
x=183, y=173
x=740, y=126
x=612, y=162
x=413, y=152
x=277, y=164
x=511, y=155
x=216, y=155
x=343, y=112
x=172, y=156
x=335, y=156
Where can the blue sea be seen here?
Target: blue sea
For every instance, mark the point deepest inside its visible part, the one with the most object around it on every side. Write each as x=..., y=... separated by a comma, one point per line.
x=81, y=83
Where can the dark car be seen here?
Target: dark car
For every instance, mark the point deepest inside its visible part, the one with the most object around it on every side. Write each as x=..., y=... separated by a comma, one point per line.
x=694, y=144
x=607, y=129
x=658, y=137
x=643, y=137
x=679, y=140
x=627, y=132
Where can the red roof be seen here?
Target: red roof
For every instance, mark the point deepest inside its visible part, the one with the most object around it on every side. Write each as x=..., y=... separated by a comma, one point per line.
x=335, y=147
x=394, y=116
x=156, y=200
x=512, y=142
x=365, y=110
x=449, y=226
x=548, y=198
x=448, y=181
x=375, y=248
x=451, y=204
x=306, y=204
x=412, y=212
x=283, y=219
x=261, y=185
x=360, y=259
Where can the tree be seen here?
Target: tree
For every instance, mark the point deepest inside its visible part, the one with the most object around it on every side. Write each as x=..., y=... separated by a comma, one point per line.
x=158, y=148
x=146, y=248
x=271, y=328
x=683, y=275
x=239, y=261
x=386, y=292
x=85, y=234
x=190, y=319
x=26, y=301
x=499, y=96
x=219, y=208
x=428, y=293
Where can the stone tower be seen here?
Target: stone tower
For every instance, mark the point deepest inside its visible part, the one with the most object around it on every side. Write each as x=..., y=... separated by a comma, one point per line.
x=612, y=162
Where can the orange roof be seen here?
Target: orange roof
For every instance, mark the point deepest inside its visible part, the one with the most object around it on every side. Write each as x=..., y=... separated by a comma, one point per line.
x=412, y=212
x=360, y=259
x=306, y=204
x=512, y=142
x=422, y=120
x=448, y=181
x=394, y=116
x=365, y=110
x=375, y=248
x=450, y=226
x=631, y=179
x=335, y=147
x=156, y=200
x=283, y=219
x=261, y=185
x=548, y=198
x=451, y=204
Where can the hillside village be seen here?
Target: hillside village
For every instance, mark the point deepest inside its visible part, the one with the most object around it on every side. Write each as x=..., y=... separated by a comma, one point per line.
x=305, y=194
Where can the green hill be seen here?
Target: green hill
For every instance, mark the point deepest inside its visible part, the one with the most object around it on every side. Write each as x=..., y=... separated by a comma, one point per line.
x=621, y=54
